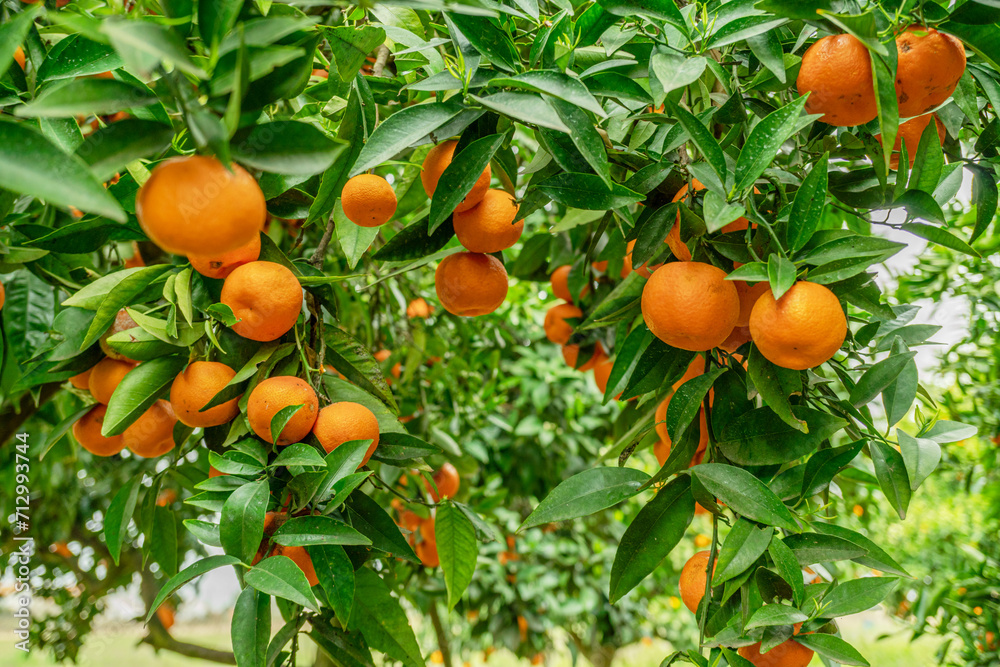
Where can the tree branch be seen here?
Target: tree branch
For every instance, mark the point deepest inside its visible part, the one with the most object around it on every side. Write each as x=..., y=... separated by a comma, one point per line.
x=317, y=257
x=442, y=637
x=380, y=60
x=12, y=417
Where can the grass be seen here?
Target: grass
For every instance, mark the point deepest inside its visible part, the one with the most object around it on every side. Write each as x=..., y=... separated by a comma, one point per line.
x=107, y=648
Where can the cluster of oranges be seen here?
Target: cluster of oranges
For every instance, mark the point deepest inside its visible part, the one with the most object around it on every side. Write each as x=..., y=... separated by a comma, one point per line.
x=836, y=71
x=474, y=282
x=422, y=536
x=694, y=580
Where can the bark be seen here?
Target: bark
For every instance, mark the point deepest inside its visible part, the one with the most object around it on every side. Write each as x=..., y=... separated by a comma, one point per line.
x=442, y=636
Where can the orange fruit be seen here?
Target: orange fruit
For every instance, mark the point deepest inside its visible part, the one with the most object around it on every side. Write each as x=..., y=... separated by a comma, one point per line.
x=214, y=472
x=61, y=549
x=411, y=521
x=368, y=200
x=123, y=322
x=929, y=67
x=342, y=422
x=801, y=330
x=136, y=259
x=106, y=376
x=836, y=71
x=152, y=434
x=266, y=297
x=427, y=552
x=195, y=205
x=221, y=265
x=910, y=132
x=702, y=541
x=195, y=386
x=602, y=373
x=748, y=297
x=490, y=225
x=165, y=614
x=557, y=329
x=601, y=266
x=571, y=355
x=419, y=309
x=87, y=431
x=662, y=447
x=560, y=284
x=427, y=530
x=19, y=57
x=737, y=337
x=165, y=497
x=645, y=270
x=690, y=305
x=81, y=380
x=276, y=393
x=787, y=654
x=469, y=284
x=435, y=163
x=437, y=658
x=382, y=355
x=447, y=480
x=677, y=246
x=693, y=580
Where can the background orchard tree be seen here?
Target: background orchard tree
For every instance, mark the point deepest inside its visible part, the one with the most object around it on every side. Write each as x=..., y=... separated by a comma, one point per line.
x=715, y=176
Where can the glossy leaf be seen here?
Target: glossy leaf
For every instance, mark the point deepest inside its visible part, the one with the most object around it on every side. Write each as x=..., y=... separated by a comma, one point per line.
x=586, y=493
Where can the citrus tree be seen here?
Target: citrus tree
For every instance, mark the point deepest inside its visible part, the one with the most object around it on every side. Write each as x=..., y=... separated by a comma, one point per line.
x=704, y=184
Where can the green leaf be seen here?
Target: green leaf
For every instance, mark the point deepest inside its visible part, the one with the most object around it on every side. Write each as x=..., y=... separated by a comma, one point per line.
x=139, y=389
x=457, y=548
x=651, y=536
x=585, y=137
x=813, y=548
x=336, y=575
x=556, y=84
x=110, y=148
x=122, y=294
x=857, y=595
x=216, y=20
x=281, y=577
x=775, y=384
x=350, y=45
x=702, y=139
x=718, y=213
x=85, y=97
x=781, y=275
x=743, y=546
x=664, y=10
x=789, y=568
x=765, y=140
x=298, y=454
x=459, y=176
x=14, y=31
x=487, y=38
x=242, y=526
x=940, y=236
x=767, y=47
x=743, y=28
x=874, y=557
x=808, y=205
x=760, y=437
x=919, y=204
x=163, y=539
x=530, y=108
x=401, y=130
x=824, y=465
x=145, y=45
x=775, y=614
x=286, y=147
x=381, y=619
x=305, y=531
x=673, y=71
x=832, y=647
x=945, y=431
x=920, y=455
x=745, y=494
x=196, y=569
x=368, y=517
x=879, y=377
x=31, y=165
x=587, y=191
x=251, y=626
x=984, y=193
x=120, y=515
x=884, y=74
x=415, y=242
x=687, y=402
x=585, y=493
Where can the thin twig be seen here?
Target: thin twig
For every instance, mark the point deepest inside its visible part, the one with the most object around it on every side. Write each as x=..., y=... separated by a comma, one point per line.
x=380, y=60
x=317, y=257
